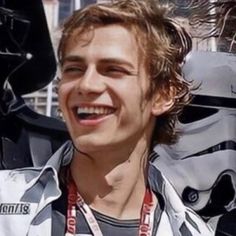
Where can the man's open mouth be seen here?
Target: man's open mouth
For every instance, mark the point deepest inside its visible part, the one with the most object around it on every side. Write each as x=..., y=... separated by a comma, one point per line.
x=93, y=112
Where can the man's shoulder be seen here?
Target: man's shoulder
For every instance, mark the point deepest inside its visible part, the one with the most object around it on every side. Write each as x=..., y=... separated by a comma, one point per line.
x=18, y=180
x=180, y=217
x=13, y=183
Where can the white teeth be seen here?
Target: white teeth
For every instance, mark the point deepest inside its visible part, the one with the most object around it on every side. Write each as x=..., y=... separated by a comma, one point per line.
x=94, y=110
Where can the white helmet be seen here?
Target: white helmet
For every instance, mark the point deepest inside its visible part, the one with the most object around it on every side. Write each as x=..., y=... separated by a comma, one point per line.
x=202, y=164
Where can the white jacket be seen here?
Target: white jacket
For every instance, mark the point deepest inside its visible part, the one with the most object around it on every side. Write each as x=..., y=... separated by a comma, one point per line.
x=26, y=195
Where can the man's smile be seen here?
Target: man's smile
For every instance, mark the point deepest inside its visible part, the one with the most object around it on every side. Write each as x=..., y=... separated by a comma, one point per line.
x=93, y=112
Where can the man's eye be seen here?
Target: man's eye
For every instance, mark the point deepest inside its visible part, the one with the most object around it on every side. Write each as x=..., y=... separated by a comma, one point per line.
x=116, y=71
x=71, y=72
x=72, y=69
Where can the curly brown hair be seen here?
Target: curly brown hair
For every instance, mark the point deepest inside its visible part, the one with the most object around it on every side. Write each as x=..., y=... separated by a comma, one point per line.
x=163, y=43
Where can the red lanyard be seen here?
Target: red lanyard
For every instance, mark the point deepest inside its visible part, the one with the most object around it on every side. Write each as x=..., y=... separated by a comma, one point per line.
x=74, y=198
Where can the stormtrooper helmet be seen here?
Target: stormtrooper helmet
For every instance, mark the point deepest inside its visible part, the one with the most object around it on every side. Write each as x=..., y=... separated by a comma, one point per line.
x=202, y=164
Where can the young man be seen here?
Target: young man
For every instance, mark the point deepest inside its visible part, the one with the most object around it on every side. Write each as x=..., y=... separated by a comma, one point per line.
x=120, y=92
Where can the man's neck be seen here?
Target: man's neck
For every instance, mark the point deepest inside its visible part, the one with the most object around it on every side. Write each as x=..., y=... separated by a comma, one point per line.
x=118, y=191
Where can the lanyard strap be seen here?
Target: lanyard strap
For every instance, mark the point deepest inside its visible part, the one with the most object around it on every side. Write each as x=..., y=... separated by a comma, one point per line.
x=75, y=199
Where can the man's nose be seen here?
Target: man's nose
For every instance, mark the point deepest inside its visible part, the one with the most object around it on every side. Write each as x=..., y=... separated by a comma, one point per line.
x=91, y=82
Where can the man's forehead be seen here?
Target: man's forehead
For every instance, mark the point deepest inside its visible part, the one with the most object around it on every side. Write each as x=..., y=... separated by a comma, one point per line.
x=113, y=41
x=84, y=36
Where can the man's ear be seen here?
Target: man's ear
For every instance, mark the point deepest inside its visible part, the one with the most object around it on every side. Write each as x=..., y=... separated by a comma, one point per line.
x=161, y=104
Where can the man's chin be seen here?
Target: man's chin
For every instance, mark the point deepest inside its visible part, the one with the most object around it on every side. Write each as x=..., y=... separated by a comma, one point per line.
x=89, y=145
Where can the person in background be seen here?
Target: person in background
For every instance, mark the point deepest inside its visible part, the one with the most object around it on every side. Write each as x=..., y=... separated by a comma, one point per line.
x=120, y=92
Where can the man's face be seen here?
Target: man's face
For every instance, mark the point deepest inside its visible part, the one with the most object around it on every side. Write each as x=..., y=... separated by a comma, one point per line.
x=103, y=89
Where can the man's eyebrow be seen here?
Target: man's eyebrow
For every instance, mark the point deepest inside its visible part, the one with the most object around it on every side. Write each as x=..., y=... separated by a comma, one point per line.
x=117, y=61
x=72, y=58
